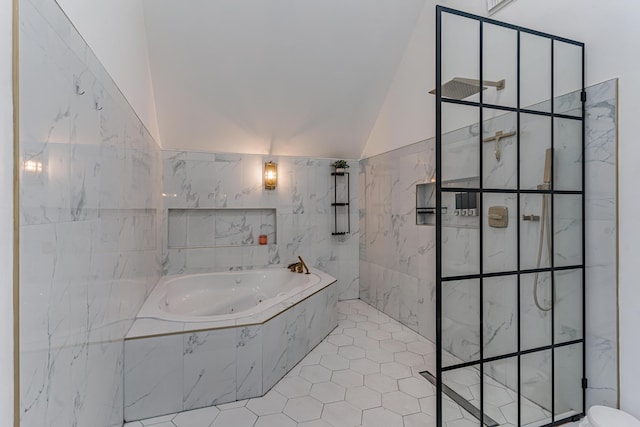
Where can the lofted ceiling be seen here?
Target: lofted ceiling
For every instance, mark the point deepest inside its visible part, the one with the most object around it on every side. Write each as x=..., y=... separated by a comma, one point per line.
x=282, y=77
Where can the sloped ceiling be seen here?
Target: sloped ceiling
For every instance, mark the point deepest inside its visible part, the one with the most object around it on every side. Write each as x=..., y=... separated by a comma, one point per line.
x=286, y=77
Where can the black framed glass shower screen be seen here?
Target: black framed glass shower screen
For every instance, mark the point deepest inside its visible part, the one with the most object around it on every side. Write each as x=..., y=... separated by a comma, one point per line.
x=510, y=252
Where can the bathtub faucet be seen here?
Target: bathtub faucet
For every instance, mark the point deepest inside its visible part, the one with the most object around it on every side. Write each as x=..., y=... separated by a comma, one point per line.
x=297, y=266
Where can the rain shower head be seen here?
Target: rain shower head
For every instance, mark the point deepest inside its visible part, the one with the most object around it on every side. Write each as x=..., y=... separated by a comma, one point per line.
x=461, y=88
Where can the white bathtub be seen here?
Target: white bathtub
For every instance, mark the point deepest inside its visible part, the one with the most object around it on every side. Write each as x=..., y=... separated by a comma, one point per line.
x=222, y=337
x=219, y=297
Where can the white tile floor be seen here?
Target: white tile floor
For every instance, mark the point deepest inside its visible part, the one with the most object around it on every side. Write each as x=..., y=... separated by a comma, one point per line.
x=365, y=373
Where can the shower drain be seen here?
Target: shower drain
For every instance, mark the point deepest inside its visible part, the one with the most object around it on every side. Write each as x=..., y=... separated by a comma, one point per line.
x=461, y=401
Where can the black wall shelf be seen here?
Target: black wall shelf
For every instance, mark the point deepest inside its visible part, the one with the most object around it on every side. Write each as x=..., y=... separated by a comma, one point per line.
x=341, y=217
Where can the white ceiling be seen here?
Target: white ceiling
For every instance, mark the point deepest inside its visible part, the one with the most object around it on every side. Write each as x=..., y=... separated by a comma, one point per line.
x=286, y=77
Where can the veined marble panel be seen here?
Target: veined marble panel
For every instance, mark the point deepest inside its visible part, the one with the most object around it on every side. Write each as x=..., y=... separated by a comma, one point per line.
x=301, y=226
x=397, y=257
x=90, y=200
x=601, y=243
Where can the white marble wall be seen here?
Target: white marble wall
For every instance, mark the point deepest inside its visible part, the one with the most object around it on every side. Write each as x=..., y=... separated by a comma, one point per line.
x=89, y=236
x=303, y=220
x=388, y=227
x=601, y=242
x=166, y=374
x=397, y=257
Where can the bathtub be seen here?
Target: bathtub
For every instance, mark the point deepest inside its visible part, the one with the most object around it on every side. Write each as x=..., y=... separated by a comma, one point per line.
x=215, y=297
x=205, y=339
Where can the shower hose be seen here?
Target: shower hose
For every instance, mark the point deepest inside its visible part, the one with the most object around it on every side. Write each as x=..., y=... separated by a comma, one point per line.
x=545, y=229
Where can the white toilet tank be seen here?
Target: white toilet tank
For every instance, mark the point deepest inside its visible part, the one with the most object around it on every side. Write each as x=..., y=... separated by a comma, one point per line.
x=602, y=416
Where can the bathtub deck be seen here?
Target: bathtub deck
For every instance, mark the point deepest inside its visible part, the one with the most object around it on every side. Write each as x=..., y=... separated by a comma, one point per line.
x=365, y=373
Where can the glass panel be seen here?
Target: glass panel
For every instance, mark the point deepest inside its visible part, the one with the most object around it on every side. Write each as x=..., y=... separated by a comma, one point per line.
x=535, y=386
x=535, y=318
x=499, y=149
x=500, y=316
x=501, y=391
x=465, y=382
x=567, y=78
x=535, y=232
x=535, y=139
x=500, y=52
x=460, y=147
x=568, y=306
x=500, y=238
x=460, y=57
x=567, y=226
x=460, y=321
x=568, y=381
x=460, y=241
x=567, y=162
x=535, y=72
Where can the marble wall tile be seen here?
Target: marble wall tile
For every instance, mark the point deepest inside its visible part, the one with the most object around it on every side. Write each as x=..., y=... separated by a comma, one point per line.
x=298, y=339
x=153, y=377
x=297, y=217
x=274, y=351
x=500, y=315
x=601, y=243
x=400, y=285
x=89, y=236
x=288, y=338
x=248, y=362
x=209, y=360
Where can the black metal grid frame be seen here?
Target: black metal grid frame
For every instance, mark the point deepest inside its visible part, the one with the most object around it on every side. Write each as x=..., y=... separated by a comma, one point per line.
x=551, y=191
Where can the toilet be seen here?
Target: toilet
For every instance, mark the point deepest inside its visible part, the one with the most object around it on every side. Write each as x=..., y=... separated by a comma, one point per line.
x=602, y=416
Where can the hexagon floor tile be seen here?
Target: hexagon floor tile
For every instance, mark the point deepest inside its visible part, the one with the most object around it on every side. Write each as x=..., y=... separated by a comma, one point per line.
x=365, y=373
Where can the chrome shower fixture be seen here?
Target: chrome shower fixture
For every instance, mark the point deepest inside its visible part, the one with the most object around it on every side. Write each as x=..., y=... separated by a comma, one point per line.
x=497, y=137
x=461, y=88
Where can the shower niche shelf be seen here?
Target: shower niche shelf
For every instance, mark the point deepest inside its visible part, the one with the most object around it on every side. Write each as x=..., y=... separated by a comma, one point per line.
x=426, y=204
x=451, y=217
x=463, y=182
x=199, y=228
x=341, y=197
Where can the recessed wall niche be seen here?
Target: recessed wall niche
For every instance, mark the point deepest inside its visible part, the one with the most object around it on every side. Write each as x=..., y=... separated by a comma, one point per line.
x=212, y=228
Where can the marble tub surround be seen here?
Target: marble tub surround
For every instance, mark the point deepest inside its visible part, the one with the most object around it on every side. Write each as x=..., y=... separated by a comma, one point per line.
x=400, y=286
x=205, y=364
x=90, y=221
x=303, y=218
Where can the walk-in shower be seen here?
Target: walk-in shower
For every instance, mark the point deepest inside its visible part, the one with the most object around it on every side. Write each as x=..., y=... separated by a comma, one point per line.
x=510, y=280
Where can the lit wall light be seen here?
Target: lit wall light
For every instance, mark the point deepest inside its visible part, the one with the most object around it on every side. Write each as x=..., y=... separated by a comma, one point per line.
x=270, y=175
x=33, y=167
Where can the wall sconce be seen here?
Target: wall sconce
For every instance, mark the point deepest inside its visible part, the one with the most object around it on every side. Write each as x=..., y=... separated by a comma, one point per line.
x=270, y=175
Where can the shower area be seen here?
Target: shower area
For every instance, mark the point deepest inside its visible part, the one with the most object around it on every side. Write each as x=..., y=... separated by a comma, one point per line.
x=508, y=208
